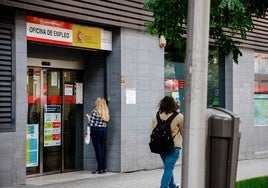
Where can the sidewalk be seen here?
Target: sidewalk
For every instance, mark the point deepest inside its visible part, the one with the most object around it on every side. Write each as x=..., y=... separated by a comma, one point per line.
x=141, y=179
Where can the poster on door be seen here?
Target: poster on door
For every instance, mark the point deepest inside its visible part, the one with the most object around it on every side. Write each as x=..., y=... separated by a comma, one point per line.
x=32, y=145
x=52, y=125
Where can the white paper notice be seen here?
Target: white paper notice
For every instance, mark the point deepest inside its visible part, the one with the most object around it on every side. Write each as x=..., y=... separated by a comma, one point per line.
x=131, y=96
x=68, y=89
x=79, y=93
x=54, y=79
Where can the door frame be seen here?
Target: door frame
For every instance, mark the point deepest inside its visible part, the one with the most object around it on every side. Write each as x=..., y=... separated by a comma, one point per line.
x=58, y=65
x=55, y=63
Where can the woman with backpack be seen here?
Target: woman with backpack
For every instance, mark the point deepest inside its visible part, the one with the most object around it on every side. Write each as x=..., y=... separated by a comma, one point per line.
x=167, y=106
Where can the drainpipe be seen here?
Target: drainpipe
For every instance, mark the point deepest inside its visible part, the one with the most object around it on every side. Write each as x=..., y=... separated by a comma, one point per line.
x=106, y=80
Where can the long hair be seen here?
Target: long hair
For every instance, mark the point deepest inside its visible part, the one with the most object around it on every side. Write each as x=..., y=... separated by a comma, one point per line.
x=102, y=109
x=167, y=105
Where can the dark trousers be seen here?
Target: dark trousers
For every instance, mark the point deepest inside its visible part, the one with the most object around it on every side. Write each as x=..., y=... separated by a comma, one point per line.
x=99, y=137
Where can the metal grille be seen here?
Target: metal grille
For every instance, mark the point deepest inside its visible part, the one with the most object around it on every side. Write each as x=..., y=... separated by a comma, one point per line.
x=6, y=79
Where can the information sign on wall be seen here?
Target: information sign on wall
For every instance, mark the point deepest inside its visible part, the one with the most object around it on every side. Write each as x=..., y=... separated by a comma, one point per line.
x=49, y=31
x=130, y=95
x=87, y=37
x=65, y=33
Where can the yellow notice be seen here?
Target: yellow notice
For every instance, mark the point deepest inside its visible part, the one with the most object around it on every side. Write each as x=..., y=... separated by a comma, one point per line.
x=48, y=137
x=27, y=157
x=48, y=125
x=27, y=144
x=86, y=37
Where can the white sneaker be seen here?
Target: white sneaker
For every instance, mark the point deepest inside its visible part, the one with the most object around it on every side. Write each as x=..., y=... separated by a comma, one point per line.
x=178, y=186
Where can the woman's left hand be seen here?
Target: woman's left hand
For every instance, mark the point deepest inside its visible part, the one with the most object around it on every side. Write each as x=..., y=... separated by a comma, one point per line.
x=88, y=117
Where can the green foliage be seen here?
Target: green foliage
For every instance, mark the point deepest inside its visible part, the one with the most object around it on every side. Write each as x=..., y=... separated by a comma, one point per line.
x=229, y=19
x=169, y=20
x=259, y=182
x=231, y=4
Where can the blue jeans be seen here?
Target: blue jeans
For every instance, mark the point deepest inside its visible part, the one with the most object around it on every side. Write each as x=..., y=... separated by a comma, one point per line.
x=99, y=137
x=169, y=161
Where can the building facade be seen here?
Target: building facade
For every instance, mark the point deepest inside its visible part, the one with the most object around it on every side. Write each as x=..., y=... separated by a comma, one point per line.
x=57, y=57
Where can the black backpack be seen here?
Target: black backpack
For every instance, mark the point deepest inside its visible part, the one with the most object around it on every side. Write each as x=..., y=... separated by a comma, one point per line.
x=161, y=140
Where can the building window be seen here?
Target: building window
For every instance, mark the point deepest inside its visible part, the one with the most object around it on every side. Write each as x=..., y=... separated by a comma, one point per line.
x=174, y=81
x=174, y=77
x=261, y=89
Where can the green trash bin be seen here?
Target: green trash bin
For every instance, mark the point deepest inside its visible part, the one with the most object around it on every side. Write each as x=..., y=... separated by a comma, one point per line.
x=222, y=148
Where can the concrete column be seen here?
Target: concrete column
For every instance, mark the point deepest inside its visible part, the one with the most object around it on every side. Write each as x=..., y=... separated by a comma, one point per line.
x=195, y=131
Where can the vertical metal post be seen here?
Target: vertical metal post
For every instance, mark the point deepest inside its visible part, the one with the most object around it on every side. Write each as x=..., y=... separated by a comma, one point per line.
x=195, y=131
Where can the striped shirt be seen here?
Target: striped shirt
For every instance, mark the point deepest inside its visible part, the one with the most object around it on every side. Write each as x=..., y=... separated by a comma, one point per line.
x=96, y=121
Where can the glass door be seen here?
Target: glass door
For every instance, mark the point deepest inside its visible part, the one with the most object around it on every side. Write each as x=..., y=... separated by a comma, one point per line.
x=73, y=120
x=52, y=122
x=33, y=126
x=54, y=127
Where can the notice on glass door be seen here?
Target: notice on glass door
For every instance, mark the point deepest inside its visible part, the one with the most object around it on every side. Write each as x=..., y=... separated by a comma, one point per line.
x=68, y=89
x=54, y=78
x=78, y=93
x=32, y=145
x=52, y=125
